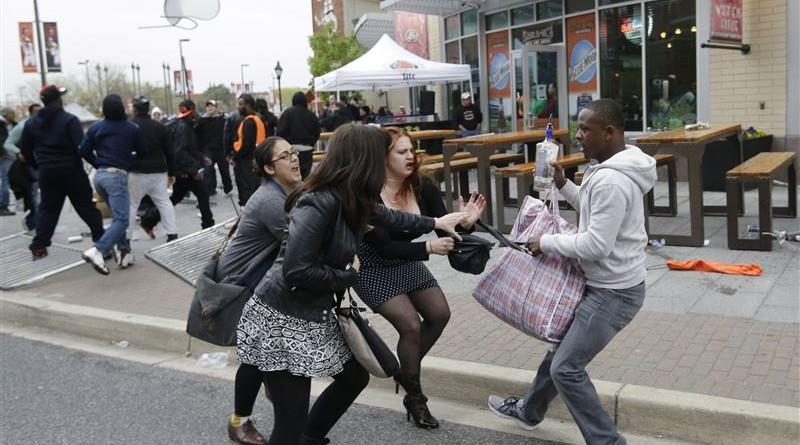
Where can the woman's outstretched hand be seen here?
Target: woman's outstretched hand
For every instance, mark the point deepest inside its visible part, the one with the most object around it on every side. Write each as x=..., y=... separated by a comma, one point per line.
x=473, y=209
x=449, y=222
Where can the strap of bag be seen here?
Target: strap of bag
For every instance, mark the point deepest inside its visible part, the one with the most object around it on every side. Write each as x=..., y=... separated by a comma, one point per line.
x=227, y=239
x=505, y=242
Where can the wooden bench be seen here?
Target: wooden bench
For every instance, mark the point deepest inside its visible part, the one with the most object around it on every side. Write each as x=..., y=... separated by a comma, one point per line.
x=523, y=173
x=761, y=169
x=319, y=156
x=425, y=159
x=461, y=167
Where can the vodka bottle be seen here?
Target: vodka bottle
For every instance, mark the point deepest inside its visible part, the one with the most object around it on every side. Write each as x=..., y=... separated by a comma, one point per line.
x=546, y=152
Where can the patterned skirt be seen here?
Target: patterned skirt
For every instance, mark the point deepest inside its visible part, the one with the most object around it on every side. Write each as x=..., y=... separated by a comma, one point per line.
x=274, y=341
x=381, y=278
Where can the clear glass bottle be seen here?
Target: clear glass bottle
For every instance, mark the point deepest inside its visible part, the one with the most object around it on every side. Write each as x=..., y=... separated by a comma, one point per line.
x=546, y=152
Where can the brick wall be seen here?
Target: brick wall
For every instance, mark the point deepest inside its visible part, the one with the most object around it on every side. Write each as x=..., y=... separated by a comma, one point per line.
x=740, y=82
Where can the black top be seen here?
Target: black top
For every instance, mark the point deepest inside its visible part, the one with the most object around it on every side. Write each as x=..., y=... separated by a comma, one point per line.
x=188, y=154
x=298, y=125
x=470, y=117
x=159, y=157
x=51, y=138
x=209, y=131
x=392, y=244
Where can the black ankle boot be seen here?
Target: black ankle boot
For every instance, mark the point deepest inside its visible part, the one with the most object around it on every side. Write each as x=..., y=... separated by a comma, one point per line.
x=416, y=403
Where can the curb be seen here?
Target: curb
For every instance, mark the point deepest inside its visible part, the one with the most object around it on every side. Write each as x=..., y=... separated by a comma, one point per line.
x=650, y=411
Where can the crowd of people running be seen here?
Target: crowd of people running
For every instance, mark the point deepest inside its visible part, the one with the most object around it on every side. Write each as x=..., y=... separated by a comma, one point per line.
x=306, y=235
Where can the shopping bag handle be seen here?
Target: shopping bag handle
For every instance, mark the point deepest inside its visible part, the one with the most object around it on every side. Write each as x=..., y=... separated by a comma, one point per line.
x=505, y=242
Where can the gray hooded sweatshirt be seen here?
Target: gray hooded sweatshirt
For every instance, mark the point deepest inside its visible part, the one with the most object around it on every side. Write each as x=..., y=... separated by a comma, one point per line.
x=611, y=237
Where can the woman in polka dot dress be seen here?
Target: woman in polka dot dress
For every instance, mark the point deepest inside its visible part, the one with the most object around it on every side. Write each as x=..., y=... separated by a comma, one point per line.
x=395, y=283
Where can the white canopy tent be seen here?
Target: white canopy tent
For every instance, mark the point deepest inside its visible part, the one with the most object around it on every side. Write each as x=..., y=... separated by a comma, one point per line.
x=386, y=66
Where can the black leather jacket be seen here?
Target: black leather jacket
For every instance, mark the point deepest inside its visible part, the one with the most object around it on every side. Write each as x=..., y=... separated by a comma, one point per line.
x=312, y=264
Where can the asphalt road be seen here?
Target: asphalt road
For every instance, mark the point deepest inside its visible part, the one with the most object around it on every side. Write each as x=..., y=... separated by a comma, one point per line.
x=53, y=395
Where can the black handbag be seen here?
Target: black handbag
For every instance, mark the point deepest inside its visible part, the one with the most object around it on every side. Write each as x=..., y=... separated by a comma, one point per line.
x=367, y=346
x=216, y=307
x=471, y=254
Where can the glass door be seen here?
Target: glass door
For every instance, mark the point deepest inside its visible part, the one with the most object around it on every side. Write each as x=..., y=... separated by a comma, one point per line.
x=518, y=123
x=544, y=82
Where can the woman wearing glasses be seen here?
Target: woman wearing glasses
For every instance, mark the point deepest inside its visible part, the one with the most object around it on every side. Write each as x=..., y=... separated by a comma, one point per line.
x=251, y=253
x=287, y=329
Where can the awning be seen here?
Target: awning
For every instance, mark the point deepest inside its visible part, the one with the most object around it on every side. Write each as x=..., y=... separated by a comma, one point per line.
x=371, y=26
x=432, y=7
x=387, y=66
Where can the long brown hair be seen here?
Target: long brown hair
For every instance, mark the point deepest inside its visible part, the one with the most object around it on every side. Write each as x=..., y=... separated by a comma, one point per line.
x=354, y=170
x=413, y=182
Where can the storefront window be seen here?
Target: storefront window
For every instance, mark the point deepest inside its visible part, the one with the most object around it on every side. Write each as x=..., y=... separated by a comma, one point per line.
x=621, y=61
x=451, y=52
x=469, y=22
x=611, y=2
x=549, y=9
x=470, y=56
x=521, y=16
x=579, y=5
x=671, y=66
x=497, y=20
x=539, y=34
x=451, y=30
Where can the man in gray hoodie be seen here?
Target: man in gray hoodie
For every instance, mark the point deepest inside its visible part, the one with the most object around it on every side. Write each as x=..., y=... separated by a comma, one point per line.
x=609, y=246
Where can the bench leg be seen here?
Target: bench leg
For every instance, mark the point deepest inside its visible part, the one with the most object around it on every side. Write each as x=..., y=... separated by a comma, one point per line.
x=790, y=211
x=672, y=208
x=500, y=208
x=764, y=242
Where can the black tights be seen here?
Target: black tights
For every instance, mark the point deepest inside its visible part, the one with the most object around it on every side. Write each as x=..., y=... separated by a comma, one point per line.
x=416, y=337
x=248, y=381
x=290, y=399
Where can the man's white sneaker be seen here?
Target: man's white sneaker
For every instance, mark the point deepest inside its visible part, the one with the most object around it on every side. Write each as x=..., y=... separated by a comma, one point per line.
x=125, y=260
x=95, y=258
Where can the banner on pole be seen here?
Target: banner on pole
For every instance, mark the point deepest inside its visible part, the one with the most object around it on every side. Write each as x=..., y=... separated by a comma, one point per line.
x=726, y=21
x=52, y=47
x=26, y=47
x=411, y=32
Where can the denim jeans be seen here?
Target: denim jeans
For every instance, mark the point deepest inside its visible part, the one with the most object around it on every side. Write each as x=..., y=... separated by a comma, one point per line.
x=113, y=187
x=5, y=166
x=601, y=314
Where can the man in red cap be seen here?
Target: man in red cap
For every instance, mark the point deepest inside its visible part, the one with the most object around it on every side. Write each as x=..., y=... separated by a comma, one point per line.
x=189, y=163
x=49, y=142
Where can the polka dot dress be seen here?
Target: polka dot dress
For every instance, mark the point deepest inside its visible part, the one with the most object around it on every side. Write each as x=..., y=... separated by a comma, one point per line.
x=380, y=279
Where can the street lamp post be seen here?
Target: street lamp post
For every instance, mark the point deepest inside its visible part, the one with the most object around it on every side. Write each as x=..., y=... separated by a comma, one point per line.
x=42, y=68
x=139, y=78
x=133, y=79
x=241, y=68
x=278, y=74
x=105, y=70
x=99, y=81
x=85, y=64
x=184, y=77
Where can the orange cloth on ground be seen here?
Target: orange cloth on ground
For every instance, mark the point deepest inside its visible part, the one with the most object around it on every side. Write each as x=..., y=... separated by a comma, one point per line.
x=714, y=266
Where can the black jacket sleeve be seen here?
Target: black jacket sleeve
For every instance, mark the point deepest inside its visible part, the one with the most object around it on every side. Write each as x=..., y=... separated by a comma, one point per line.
x=169, y=153
x=400, y=221
x=310, y=223
x=432, y=205
x=284, y=125
x=380, y=239
x=26, y=146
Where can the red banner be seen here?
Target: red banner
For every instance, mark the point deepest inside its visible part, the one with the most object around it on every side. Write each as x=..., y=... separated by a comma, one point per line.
x=52, y=49
x=26, y=47
x=411, y=32
x=726, y=20
x=179, y=84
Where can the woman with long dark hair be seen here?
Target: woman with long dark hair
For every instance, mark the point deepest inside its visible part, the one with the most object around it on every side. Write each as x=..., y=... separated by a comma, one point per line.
x=250, y=254
x=393, y=280
x=287, y=329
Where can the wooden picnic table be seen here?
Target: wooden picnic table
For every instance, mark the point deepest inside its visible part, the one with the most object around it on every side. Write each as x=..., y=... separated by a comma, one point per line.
x=691, y=144
x=483, y=146
x=420, y=135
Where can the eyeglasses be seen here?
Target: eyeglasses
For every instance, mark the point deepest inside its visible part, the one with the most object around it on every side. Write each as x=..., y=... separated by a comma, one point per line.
x=286, y=155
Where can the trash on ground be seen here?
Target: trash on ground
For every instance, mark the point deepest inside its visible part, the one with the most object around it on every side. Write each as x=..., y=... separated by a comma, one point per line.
x=715, y=266
x=122, y=344
x=75, y=239
x=213, y=360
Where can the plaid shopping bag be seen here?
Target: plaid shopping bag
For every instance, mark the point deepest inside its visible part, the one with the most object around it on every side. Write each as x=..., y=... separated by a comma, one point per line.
x=537, y=295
